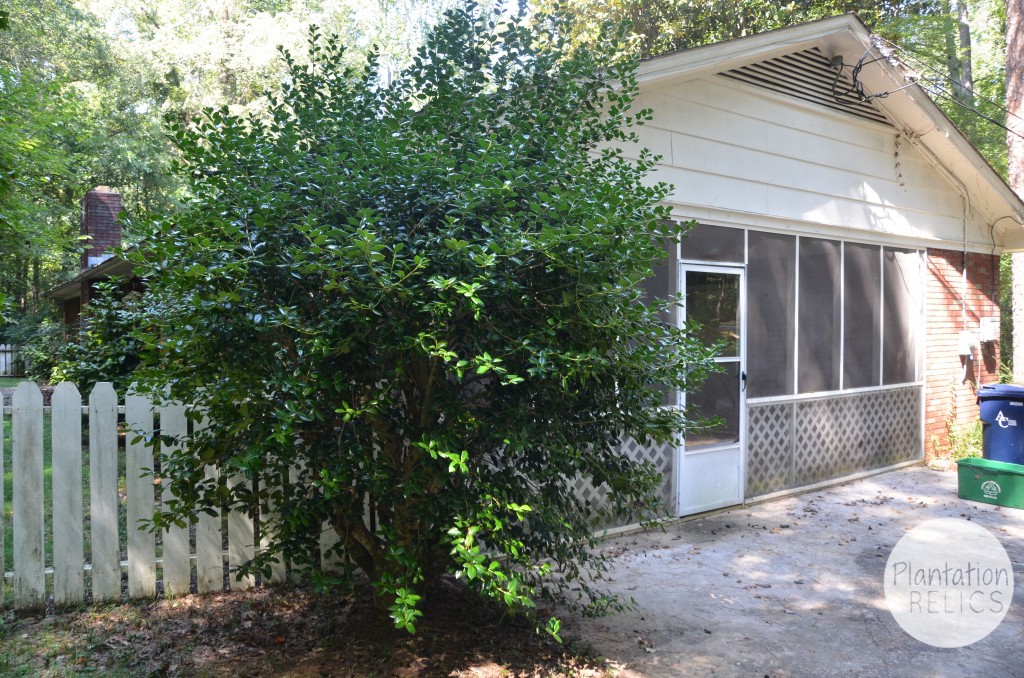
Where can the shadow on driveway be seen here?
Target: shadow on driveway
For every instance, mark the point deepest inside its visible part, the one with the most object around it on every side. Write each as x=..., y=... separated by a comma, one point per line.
x=794, y=587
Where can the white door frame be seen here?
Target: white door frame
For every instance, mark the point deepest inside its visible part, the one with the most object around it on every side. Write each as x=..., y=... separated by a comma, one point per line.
x=727, y=462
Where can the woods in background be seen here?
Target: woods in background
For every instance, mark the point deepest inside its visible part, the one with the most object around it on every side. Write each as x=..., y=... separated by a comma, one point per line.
x=87, y=85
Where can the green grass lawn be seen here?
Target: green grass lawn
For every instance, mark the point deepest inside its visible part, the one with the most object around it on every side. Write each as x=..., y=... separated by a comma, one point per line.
x=10, y=382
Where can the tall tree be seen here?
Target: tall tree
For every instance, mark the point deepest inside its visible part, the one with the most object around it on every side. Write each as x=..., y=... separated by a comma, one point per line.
x=40, y=136
x=75, y=115
x=1015, y=161
x=661, y=26
x=86, y=85
x=959, y=52
x=965, y=51
x=209, y=53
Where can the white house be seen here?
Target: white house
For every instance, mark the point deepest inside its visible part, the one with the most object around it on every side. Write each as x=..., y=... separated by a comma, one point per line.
x=848, y=247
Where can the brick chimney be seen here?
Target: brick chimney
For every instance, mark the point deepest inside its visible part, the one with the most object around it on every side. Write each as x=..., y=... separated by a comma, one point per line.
x=99, y=222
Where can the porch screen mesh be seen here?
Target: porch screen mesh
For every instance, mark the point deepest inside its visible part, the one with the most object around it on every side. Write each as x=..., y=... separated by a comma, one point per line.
x=902, y=287
x=862, y=341
x=819, y=324
x=771, y=305
x=714, y=243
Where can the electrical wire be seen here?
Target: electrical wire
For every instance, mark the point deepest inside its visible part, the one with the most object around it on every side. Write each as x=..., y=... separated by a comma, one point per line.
x=928, y=84
x=946, y=94
x=938, y=72
x=835, y=82
x=855, y=85
x=922, y=60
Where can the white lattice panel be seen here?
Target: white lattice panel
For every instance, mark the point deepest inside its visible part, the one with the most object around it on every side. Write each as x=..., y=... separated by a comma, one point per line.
x=661, y=455
x=769, y=448
x=794, y=444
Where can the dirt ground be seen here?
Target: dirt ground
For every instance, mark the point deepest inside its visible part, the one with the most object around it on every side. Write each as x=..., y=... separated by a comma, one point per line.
x=284, y=632
x=794, y=587
x=787, y=588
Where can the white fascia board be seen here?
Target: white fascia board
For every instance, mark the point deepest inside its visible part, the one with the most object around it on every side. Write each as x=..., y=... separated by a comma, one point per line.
x=693, y=63
x=1013, y=240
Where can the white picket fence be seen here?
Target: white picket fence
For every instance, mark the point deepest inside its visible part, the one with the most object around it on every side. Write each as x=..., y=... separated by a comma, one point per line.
x=9, y=361
x=99, y=561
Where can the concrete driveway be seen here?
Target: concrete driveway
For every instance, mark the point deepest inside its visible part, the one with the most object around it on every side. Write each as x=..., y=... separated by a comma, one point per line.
x=794, y=587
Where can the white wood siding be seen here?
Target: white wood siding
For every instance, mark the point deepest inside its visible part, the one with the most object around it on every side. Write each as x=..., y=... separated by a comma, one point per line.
x=730, y=147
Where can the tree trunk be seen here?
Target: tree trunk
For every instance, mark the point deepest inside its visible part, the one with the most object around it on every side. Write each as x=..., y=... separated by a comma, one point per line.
x=958, y=52
x=1015, y=161
x=36, y=282
x=966, y=56
x=954, y=64
x=22, y=284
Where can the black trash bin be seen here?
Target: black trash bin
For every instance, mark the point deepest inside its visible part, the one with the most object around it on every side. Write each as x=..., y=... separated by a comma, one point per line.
x=1002, y=418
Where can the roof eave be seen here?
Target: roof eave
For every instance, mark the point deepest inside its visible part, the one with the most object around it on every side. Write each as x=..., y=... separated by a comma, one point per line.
x=115, y=266
x=688, y=64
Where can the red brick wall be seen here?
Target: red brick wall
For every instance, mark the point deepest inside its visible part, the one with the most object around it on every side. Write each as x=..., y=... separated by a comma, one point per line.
x=950, y=402
x=99, y=221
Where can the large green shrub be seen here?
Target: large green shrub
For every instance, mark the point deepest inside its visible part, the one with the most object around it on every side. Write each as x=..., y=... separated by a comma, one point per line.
x=105, y=347
x=411, y=311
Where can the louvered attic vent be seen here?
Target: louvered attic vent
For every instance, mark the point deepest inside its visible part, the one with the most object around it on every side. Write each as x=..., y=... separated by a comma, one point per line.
x=808, y=75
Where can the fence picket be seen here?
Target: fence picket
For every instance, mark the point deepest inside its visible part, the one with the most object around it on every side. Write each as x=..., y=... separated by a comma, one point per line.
x=209, y=544
x=278, y=570
x=27, y=469
x=70, y=526
x=138, y=416
x=103, y=499
x=294, y=575
x=176, y=564
x=241, y=541
x=8, y=360
x=329, y=562
x=66, y=436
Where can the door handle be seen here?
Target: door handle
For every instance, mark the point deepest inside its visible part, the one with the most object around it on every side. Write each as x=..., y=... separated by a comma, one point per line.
x=743, y=382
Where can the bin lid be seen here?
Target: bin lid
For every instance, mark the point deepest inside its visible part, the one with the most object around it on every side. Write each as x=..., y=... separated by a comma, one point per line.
x=991, y=464
x=990, y=391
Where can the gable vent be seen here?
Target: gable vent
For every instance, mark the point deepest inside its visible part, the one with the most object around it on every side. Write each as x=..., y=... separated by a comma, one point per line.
x=808, y=75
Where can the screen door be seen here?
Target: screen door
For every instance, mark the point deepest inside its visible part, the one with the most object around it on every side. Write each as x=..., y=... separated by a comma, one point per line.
x=711, y=460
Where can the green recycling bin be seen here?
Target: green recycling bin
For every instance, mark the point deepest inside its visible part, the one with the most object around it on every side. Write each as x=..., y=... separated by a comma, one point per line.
x=991, y=482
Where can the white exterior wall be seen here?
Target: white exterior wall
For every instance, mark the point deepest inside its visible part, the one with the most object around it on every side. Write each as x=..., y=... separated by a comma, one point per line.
x=742, y=156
